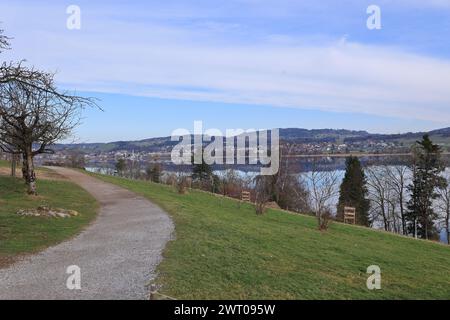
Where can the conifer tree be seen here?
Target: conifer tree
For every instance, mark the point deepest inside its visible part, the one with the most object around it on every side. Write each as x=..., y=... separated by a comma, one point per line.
x=427, y=168
x=353, y=192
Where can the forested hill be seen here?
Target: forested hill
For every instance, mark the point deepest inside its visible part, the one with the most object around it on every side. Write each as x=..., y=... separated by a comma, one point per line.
x=291, y=135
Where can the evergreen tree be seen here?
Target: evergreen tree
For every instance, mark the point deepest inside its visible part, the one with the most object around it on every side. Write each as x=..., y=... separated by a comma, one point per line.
x=353, y=192
x=203, y=176
x=426, y=168
x=202, y=172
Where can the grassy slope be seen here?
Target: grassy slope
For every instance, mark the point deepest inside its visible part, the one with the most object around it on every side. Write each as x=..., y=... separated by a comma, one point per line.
x=20, y=235
x=223, y=252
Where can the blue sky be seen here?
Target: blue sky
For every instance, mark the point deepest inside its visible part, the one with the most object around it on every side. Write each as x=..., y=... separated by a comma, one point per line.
x=160, y=65
x=150, y=117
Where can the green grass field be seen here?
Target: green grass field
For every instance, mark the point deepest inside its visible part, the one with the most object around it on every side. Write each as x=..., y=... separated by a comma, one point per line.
x=223, y=252
x=21, y=235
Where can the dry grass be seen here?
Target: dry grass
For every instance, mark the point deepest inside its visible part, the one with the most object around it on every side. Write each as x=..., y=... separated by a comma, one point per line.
x=41, y=173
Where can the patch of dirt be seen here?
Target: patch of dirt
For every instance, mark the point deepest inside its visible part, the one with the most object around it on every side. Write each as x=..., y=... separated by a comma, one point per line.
x=6, y=261
x=272, y=205
x=44, y=174
x=4, y=171
x=36, y=197
x=48, y=174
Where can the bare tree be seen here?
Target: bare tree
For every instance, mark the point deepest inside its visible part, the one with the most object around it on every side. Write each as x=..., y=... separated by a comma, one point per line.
x=289, y=191
x=76, y=159
x=285, y=188
x=323, y=186
x=387, y=192
x=444, y=207
x=231, y=183
x=4, y=45
x=34, y=115
x=263, y=193
x=132, y=168
x=381, y=196
x=183, y=182
x=397, y=179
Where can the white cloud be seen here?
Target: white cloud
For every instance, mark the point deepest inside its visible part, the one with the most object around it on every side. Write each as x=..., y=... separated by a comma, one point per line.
x=154, y=58
x=428, y=3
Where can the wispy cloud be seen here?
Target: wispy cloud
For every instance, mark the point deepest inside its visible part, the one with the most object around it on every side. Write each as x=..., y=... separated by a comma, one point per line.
x=200, y=57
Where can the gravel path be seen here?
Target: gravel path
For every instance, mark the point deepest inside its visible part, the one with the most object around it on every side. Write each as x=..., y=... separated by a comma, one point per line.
x=117, y=254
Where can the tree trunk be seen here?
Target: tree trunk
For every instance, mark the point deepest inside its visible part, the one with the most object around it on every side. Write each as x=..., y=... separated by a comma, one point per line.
x=448, y=233
x=29, y=174
x=24, y=167
x=394, y=220
x=13, y=165
x=402, y=214
x=319, y=218
x=415, y=228
x=447, y=225
x=383, y=213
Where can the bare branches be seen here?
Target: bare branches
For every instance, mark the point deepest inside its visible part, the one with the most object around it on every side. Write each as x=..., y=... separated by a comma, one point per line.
x=43, y=81
x=398, y=179
x=30, y=115
x=323, y=187
x=34, y=114
x=4, y=41
x=381, y=195
x=444, y=207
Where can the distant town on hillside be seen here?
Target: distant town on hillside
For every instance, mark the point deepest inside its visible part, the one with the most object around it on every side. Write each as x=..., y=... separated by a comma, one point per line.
x=325, y=147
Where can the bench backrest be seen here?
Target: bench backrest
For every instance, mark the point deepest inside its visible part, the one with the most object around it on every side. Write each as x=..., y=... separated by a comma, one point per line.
x=245, y=196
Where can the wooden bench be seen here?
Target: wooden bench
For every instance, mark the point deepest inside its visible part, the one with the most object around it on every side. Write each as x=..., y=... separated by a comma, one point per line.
x=350, y=215
x=245, y=196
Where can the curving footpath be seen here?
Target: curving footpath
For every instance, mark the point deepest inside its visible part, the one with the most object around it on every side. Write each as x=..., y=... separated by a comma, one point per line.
x=117, y=254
